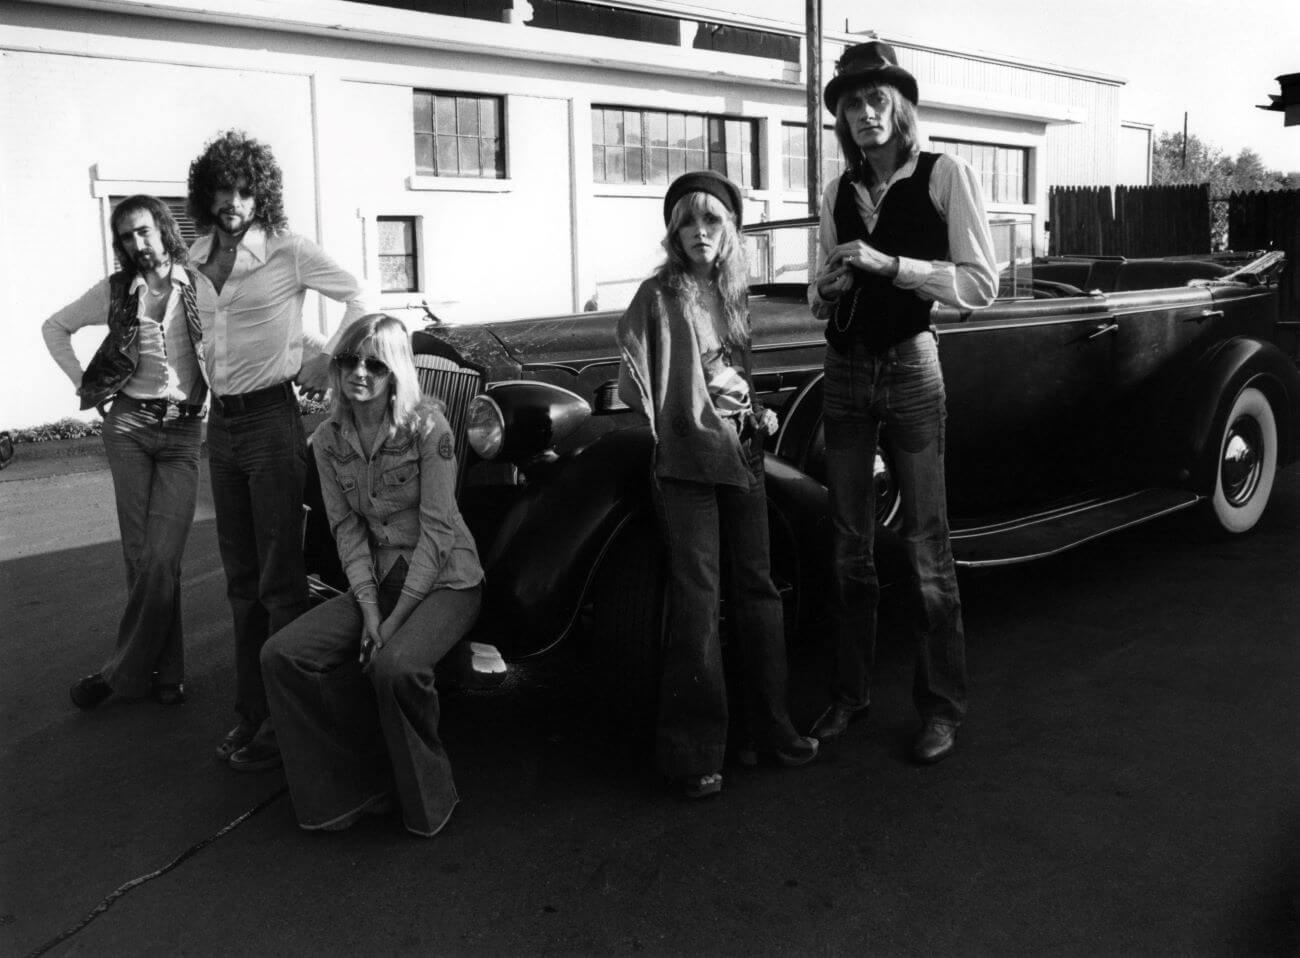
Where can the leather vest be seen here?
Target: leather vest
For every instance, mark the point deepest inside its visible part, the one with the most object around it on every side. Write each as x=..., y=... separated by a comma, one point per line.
x=117, y=357
x=875, y=311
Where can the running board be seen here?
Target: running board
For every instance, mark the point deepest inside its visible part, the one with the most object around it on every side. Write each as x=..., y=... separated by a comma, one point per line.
x=1047, y=533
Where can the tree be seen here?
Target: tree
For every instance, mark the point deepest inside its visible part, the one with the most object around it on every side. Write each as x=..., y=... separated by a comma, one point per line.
x=1206, y=163
x=1200, y=163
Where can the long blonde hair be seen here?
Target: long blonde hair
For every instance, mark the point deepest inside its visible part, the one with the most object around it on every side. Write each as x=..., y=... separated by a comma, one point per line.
x=386, y=339
x=730, y=269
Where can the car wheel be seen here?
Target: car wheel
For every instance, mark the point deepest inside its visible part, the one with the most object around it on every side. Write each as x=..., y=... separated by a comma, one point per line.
x=888, y=500
x=627, y=620
x=1245, y=462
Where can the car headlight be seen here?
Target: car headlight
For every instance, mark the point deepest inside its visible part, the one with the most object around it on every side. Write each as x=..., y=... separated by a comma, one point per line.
x=485, y=427
x=520, y=420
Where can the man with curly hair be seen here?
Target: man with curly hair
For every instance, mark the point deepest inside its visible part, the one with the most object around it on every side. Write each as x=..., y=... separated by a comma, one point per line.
x=149, y=370
x=254, y=275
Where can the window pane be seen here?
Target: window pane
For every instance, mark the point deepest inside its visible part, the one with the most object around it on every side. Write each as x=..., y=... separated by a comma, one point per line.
x=634, y=159
x=695, y=133
x=396, y=274
x=487, y=117
x=422, y=111
x=466, y=116
x=632, y=128
x=677, y=131
x=445, y=114
x=598, y=163
x=467, y=148
x=424, y=153
x=657, y=128
x=448, y=164
x=395, y=236
x=613, y=127
x=657, y=171
x=695, y=160
x=615, y=171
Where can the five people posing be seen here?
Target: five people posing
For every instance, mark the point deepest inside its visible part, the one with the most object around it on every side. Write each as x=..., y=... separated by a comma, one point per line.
x=348, y=687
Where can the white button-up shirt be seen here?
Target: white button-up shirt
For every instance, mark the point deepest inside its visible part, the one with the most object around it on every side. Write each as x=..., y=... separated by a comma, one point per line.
x=167, y=368
x=969, y=279
x=252, y=330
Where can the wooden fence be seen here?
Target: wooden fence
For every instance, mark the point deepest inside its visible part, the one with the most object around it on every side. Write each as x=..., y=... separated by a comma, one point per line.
x=1134, y=221
x=1270, y=220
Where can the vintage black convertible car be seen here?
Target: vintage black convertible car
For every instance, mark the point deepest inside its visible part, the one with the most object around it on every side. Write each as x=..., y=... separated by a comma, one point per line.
x=1096, y=393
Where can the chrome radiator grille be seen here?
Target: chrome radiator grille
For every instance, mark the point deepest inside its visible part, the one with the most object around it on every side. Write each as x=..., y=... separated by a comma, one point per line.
x=455, y=385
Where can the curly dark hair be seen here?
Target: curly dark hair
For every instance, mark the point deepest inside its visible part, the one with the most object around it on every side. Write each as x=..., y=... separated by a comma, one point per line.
x=173, y=244
x=235, y=157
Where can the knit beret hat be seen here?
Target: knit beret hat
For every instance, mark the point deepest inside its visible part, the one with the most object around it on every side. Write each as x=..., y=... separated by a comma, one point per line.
x=704, y=181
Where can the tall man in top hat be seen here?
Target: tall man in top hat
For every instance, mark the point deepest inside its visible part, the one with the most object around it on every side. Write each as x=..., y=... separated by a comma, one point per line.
x=254, y=275
x=901, y=229
x=148, y=372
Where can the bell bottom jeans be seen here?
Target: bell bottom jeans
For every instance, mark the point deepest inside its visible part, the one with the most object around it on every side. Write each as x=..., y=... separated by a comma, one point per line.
x=716, y=533
x=258, y=464
x=348, y=736
x=901, y=390
x=154, y=462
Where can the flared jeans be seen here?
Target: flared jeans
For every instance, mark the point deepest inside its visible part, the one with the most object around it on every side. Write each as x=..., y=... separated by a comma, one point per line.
x=154, y=460
x=715, y=534
x=347, y=736
x=902, y=391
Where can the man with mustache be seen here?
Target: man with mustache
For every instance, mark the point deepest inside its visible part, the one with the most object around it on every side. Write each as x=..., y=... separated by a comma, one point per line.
x=253, y=277
x=149, y=370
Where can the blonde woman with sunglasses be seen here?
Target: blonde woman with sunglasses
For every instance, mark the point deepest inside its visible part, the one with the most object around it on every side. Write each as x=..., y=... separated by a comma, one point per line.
x=351, y=682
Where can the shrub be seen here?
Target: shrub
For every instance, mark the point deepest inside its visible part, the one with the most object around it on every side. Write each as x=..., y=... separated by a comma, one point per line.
x=66, y=428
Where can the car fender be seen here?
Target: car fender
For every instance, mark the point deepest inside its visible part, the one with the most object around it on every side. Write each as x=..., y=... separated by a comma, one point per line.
x=1222, y=375
x=539, y=572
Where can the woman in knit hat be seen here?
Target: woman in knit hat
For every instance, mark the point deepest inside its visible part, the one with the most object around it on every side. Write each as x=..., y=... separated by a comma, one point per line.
x=685, y=344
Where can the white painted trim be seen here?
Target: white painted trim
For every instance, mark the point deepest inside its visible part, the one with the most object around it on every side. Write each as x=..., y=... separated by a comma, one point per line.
x=462, y=184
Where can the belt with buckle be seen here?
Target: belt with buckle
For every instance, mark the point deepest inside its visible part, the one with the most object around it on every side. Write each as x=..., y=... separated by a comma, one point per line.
x=257, y=399
x=167, y=408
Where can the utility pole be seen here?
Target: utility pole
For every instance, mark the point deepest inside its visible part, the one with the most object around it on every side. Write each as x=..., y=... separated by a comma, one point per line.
x=813, y=43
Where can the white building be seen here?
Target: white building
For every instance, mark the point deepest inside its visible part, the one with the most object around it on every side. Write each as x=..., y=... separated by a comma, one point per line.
x=494, y=168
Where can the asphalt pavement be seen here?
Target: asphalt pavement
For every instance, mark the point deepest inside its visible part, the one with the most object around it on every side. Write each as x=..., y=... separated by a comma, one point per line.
x=1128, y=782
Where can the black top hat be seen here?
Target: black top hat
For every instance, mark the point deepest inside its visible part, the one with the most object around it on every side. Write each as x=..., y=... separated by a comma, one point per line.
x=871, y=62
x=704, y=181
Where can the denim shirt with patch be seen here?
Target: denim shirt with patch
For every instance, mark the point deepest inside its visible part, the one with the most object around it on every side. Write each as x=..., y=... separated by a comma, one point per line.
x=400, y=501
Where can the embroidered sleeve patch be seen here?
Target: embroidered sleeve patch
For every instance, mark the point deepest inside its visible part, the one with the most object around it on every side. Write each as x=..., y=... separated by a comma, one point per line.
x=445, y=447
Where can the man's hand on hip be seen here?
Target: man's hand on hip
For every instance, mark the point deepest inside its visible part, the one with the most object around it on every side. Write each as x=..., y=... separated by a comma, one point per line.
x=313, y=378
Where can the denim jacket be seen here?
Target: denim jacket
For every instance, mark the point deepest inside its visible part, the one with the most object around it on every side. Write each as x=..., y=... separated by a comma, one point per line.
x=400, y=501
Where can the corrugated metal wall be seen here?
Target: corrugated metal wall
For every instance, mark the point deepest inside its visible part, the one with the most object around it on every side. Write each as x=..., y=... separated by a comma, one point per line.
x=1078, y=154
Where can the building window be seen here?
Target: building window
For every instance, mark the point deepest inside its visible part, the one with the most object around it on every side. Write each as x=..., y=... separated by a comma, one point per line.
x=399, y=260
x=794, y=155
x=654, y=146
x=176, y=205
x=1003, y=170
x=458, y=134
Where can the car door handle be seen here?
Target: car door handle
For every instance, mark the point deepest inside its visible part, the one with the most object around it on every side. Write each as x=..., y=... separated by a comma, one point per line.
x=1203, y=315
x=1103, y=329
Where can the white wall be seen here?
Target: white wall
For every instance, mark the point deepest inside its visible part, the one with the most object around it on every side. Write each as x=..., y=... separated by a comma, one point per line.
x=121, y=98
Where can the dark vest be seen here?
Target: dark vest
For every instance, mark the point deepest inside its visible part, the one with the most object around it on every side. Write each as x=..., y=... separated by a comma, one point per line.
x=875, y=311
x=115, y=361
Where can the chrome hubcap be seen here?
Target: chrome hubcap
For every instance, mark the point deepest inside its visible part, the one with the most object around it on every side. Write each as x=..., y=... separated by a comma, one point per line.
x=1242, y=463
x=886, y=490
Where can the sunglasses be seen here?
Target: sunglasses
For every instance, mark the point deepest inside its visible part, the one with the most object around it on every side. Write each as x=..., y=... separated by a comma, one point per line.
x=350, y=361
